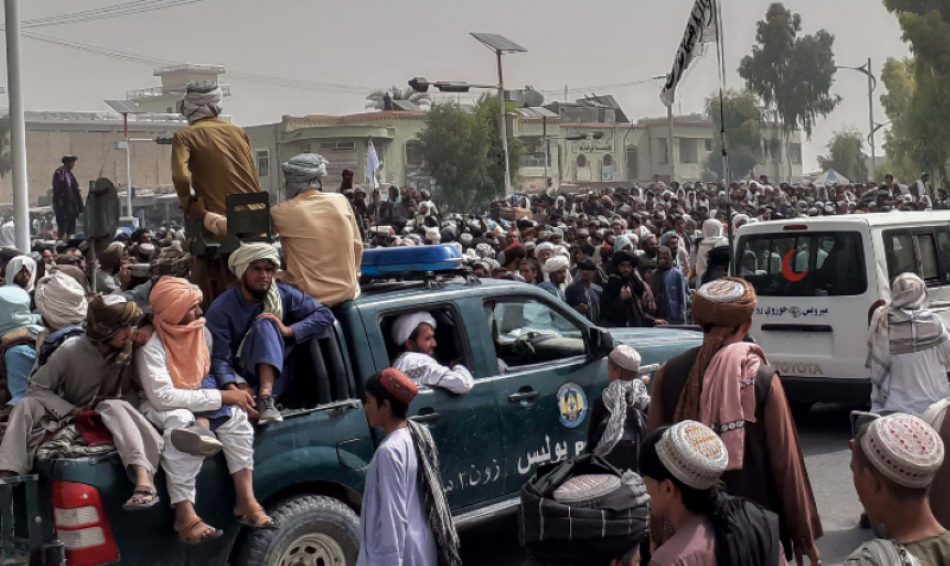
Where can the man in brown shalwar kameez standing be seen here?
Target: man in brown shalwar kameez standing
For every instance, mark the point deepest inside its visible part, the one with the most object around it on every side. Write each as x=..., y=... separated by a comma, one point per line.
x=90, y=373
x=727, y=385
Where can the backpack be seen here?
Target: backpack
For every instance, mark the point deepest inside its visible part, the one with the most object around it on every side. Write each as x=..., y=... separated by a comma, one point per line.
x=54, y=341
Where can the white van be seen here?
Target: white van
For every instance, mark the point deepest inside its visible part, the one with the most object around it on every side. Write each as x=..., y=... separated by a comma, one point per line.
x=817, y=280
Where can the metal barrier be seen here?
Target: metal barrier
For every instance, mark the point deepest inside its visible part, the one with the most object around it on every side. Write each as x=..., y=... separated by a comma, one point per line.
x=20, y=521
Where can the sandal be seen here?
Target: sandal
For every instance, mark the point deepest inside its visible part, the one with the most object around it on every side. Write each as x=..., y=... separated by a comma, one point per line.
x=198, y=532
x=256, y=518
x=144, y=497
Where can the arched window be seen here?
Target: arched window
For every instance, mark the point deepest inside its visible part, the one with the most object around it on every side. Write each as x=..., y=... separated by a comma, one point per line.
x=581, y=160
x=608, y=160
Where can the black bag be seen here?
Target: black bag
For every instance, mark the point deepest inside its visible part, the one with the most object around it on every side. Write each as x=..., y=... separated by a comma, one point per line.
x=555, y=533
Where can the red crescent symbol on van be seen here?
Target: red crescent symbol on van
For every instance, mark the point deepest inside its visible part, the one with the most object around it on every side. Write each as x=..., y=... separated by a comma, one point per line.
x=787, y=272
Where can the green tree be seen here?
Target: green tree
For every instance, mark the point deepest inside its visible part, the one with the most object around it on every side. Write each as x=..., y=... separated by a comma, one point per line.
x=924, y=130
x=493, y=182
x=898, y=78
x=455, y=152
x=846, y=156
x=743, y=119
x=791, y=73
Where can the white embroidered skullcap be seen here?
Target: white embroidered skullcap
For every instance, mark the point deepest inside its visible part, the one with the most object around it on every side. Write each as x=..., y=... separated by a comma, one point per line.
x=935, y=414
x=556, y=263
x=626, y=357
x=433, y=235
x=693, y=453
x=406, y=324
x=587, y=490
x=904, y=449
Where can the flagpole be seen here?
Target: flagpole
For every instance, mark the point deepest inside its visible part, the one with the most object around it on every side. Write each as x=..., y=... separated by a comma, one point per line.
x=720, y=55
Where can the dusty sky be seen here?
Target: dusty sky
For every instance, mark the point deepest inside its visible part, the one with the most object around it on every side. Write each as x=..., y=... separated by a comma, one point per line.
x=352, y=46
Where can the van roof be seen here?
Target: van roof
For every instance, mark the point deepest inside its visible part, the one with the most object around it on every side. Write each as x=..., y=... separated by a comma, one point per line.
x=876, y=219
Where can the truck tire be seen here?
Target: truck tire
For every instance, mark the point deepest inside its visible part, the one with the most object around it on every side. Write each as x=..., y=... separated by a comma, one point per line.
x=313, y=530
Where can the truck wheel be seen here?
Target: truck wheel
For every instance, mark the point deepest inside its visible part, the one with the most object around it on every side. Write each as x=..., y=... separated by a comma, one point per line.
x=313, y=531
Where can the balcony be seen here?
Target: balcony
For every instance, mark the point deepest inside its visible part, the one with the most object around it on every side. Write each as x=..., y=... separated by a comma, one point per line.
x=159, y=91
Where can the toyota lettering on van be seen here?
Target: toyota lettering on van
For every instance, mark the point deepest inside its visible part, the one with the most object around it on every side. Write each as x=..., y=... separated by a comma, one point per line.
x=799, y=368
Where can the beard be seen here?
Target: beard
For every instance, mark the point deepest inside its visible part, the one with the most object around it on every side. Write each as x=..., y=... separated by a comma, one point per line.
x=259, y=295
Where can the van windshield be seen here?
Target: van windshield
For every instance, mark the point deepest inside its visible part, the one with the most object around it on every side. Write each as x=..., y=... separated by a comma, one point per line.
x=803, y=265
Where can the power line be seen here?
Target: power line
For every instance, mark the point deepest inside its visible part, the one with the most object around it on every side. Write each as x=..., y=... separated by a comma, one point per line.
x=583, y=89
x=107, y=12
x=256, y=78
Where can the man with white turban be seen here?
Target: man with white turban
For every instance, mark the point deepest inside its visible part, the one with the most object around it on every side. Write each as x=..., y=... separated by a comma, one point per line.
x=415, y=333
x=556, y=273
x=21, y=271
x=313, y=226
x=255, y=324
x=211, y=159
x=61, y=300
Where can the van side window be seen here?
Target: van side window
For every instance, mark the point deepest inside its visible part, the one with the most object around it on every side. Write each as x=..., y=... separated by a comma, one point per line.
x=803, y=264
x=924, y=251
x=526, y=331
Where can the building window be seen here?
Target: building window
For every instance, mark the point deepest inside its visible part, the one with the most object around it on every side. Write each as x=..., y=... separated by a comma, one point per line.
x=795, y=153
x=632, y=169
x=708, y=144
x=662, y=152
x=533, y=160
x=263, y=162
x=414, y=153
x=338, y=146
x=608, y=161
x=305, y=148
x=689, y=150
x=581, y=160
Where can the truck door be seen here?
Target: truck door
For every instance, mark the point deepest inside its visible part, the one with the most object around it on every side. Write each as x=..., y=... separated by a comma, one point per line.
x=466, y=428
x=544, y=382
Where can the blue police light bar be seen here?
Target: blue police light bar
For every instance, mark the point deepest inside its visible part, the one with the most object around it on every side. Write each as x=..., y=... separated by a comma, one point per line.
x=390, y=262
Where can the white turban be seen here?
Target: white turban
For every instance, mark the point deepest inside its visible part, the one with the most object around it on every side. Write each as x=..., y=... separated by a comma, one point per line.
x=17, y=264
x=241, y=258
x=202, y=100
x=61, y=300
x=304, y=171
x=556, y=263
x=433, y=235
x=406, y=324
x=544, y=246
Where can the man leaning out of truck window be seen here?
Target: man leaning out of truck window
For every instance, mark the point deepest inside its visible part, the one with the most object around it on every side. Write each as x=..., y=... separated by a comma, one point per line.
x=255, y=323
x=175, y=368
x=415, y=333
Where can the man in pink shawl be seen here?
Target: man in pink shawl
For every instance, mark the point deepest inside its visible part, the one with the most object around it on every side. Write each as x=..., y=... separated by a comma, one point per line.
x=727, y=385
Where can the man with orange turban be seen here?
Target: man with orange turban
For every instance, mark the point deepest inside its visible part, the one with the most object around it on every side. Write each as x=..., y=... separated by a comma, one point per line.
x=175, y=367
x=727, y=384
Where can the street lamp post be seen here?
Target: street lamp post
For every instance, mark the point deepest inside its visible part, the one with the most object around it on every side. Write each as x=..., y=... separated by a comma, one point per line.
x=21, y=196
x=872, y=126
x=501, y=45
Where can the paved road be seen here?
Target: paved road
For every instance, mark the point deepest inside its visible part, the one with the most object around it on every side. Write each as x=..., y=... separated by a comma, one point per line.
x=824, y=435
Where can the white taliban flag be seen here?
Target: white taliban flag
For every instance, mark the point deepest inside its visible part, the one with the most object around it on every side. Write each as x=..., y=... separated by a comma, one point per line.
x=700, y=31
x=372, y=165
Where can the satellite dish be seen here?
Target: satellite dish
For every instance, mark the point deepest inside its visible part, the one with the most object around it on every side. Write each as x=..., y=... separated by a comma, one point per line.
x=533, y=98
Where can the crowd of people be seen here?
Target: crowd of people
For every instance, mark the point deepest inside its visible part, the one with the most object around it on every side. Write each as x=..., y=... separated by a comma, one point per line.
x=173, y=358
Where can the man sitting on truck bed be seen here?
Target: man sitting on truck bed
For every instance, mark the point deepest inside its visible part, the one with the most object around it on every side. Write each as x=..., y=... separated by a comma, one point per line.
x=255, y=323
x=85, y=374
x=416, y=333
x=175, y=368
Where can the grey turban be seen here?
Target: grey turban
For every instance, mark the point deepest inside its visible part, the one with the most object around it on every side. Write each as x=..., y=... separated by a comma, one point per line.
x=304, y=171
x=202, y=100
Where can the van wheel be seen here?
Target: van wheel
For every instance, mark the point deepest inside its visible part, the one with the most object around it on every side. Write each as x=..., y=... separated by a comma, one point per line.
x=313, y=531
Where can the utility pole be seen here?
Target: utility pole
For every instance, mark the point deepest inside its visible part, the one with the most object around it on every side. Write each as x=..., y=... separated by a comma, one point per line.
x=504, y=124
x=669, y=142
x=544, y=136
x=871, y=84
x=21, y=195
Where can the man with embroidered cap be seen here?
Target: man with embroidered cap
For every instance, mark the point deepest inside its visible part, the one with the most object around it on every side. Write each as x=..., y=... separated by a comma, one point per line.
x=319, y=234
x=255, y=324
x=617, y=420
x=682, y=466
x=415, y=334
x=175, y=366
x=405, y=517
x=893, y=462
x=211, y=159
x=727, y=384
x=90, y=373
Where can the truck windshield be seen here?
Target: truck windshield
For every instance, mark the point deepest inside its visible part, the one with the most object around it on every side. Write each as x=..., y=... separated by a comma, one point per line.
x=803, y=265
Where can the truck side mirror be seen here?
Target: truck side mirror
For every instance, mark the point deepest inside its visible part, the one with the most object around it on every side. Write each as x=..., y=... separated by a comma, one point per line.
x=600, y=341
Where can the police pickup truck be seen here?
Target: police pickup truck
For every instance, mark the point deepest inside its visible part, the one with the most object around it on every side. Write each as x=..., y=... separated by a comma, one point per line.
x=538, y=366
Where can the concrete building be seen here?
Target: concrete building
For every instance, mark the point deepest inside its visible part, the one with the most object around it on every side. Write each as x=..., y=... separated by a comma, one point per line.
x=175, y=79
x=344, y=142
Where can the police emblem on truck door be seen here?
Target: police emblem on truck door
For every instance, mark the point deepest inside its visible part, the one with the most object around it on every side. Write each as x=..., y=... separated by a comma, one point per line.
x=572, y=402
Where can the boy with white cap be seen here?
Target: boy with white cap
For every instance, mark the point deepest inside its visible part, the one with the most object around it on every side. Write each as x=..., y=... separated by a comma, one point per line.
x=415, y=333
x=893, y=462
x=681, y=466
x=617, y=421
